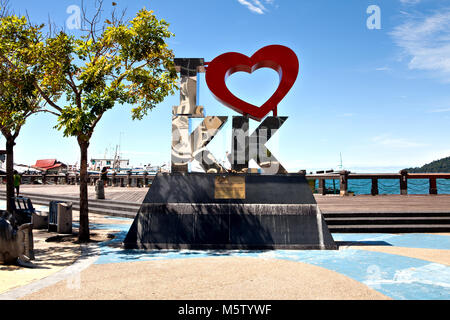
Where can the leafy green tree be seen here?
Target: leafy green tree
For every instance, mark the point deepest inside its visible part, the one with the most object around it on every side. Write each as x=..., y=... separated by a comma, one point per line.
x=19, y=98
x=117, y=62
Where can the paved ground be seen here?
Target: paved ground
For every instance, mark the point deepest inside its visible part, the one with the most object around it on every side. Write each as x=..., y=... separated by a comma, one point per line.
x=210, y=278
x=50, y=256
x=366, y=266
x=136, y=195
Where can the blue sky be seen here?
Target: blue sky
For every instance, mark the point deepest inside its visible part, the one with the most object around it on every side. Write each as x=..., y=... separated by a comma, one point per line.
x=379, y=96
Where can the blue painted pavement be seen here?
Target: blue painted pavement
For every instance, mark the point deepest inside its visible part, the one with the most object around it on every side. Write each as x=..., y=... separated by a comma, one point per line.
x=396, y=276
x=408, y=240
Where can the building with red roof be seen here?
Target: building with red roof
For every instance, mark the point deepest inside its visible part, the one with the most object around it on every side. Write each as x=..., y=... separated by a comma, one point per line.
x=50, y=166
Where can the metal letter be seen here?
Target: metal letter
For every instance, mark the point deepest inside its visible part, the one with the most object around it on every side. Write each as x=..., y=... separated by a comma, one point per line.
x=187, y=147
x=253, y=147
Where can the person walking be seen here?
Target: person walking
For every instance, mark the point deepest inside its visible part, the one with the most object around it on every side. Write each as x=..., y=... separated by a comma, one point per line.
x=17, y=181
x=104, y=176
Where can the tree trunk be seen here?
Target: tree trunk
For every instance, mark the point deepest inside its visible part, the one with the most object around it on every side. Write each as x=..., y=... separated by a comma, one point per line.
x=10, y=174
x=83, y=235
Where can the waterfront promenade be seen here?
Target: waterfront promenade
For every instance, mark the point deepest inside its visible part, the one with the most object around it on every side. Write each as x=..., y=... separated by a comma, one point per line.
x=133, y=194
x=327, y=203
x=366, y=266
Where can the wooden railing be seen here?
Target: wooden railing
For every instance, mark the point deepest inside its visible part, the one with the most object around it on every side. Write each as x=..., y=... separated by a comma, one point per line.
x=402, y=176
x=114, y=180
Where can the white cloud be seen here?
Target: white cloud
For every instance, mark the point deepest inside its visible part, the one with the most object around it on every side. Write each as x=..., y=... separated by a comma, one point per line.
x=440, y=110
x=425, y=40
x=410, y=1
x=388, y=141
x=257, y=6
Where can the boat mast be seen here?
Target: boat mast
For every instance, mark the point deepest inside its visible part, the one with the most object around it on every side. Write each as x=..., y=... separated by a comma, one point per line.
x=116, y=163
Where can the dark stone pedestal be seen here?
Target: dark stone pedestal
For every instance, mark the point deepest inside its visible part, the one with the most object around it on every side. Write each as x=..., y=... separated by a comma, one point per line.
x=180, y=211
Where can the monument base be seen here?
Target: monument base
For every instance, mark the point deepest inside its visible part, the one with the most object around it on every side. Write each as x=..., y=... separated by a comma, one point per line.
x=194, y=211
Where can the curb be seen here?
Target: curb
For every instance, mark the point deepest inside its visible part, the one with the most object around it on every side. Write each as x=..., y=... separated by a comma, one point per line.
x=89, y=254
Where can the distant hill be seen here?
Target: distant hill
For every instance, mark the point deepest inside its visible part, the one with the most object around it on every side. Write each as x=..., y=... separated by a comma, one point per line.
x=438, y=166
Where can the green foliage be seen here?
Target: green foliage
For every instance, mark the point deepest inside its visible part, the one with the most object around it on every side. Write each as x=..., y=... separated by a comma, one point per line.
x=18, y=96
x=128, y=62
x=438, y=166
x=54, y=64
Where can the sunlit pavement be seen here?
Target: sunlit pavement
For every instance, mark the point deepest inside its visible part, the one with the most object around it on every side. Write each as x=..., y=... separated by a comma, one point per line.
x=412, y=266
x=396, y=276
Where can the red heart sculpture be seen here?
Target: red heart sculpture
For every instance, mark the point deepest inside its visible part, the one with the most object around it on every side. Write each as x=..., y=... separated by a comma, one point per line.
x=279, y=58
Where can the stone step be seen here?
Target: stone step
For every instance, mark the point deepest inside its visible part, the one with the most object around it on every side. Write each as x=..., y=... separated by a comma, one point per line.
x=93, y=205
x=388, y=220
x=75, y=199
x=109, y=211
x=383, y=214
x=106, y=207
x=399, y=228
x=94, y=202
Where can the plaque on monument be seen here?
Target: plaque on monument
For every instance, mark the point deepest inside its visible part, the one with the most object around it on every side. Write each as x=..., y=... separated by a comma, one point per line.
x=229, y=187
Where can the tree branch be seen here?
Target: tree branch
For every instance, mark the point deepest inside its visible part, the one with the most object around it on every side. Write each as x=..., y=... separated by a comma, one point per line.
x=48, y=111
x=91, y=24
x=4, y=8
x=16, y=132
x=6, y=133
x=95, y=123
x=49, y=101
x=72, y=84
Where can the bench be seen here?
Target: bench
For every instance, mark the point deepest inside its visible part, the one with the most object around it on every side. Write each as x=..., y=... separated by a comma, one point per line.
x=22, y=210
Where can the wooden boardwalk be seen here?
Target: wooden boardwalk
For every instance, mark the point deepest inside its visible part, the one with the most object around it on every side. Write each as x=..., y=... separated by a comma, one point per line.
x=135, y=195
x=384, y=203
x=327, y=204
